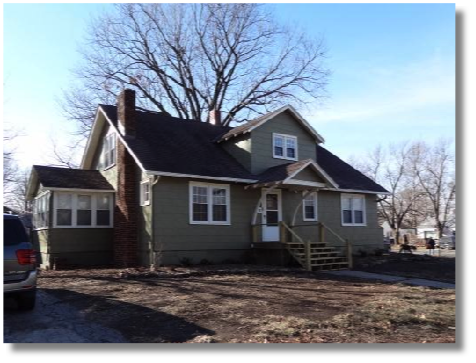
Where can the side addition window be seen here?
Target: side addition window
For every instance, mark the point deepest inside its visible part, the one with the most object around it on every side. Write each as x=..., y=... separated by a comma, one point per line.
x=284, y=147
x=353, y=210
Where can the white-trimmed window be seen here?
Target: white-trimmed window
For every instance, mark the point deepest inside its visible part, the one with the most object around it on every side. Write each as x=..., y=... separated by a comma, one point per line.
x=353, y=210
x=82, y=210
x=108, y=154
x=284, y=147
x=41, y=211
x=209, y=203
x=145, y=192
x=309, y=207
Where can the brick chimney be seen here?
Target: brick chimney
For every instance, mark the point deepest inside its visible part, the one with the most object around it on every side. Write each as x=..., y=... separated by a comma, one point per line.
x=214, y=117
x=126, y=112
x=125, y=216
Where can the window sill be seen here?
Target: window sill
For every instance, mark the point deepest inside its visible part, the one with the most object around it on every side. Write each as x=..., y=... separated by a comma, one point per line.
x=109, y=167
x=354, y=225
x=211, y=223
x=310, y=220
x=82, y=227
x=284, y=158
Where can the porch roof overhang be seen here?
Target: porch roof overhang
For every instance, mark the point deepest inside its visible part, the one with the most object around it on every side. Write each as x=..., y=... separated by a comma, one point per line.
x=285, y=176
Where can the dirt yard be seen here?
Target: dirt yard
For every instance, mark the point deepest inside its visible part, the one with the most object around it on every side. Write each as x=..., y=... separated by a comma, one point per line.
x=416, y=265
x=238, y=304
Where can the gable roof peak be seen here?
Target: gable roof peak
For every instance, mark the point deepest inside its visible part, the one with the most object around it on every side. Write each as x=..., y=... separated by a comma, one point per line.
x=257, y=122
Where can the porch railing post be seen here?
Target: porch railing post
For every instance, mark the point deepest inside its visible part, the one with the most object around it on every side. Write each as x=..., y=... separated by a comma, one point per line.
x=254, y=233
x=349, y=253
x=282, y=232
x=321, y=232
x=307, y=247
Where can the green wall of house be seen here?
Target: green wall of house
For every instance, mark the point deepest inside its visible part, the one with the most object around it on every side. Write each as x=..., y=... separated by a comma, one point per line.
x=75, y=246
x=365, y=238
x=174, y=236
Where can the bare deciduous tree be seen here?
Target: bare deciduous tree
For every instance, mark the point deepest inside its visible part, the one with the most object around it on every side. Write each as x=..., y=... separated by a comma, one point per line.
x=188, y=59
x=392, y=169
x=434, y=167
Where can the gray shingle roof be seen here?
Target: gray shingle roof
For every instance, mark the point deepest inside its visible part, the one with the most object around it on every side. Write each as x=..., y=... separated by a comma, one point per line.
x=345, y=175
x=54, y=177
x=281, y=172
x=172, y=145
x=168, y=144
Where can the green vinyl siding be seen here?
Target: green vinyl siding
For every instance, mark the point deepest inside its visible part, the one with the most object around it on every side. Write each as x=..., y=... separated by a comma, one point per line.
x=240, y=148
x=309, y=174
x=175, y=236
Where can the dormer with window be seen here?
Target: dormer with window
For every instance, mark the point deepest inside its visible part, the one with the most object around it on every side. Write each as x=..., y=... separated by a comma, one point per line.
x=279, y=137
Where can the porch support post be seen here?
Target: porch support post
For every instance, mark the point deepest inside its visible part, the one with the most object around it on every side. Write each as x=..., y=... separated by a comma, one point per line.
x=349, y=253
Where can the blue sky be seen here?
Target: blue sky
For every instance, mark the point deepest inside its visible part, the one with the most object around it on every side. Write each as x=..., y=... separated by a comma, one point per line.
x=393, y=72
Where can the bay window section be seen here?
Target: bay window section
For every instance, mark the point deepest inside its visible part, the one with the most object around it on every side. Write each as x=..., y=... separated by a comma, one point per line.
x=64, y=209
x=104, y=210
x=83, y=215
x=73, y=210
x=209, y=204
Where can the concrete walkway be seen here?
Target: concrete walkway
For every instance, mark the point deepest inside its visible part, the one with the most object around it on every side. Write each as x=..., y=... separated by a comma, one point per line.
x=390, y=278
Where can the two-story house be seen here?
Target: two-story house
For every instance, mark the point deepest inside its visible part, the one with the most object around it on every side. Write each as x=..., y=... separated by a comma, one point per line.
x=157, y=189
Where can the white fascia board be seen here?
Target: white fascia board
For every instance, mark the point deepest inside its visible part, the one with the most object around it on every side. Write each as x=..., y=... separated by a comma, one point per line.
x=94, y=130
x=318, y=169
x=305, y=183
x=357, y=191
x=80, y=190
x=32, y=181
x=178, y=175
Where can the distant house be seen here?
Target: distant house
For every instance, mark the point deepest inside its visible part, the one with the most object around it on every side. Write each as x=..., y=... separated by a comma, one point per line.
x=157, y=189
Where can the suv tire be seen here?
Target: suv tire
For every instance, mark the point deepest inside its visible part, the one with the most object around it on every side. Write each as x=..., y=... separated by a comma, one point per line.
x=26, y=300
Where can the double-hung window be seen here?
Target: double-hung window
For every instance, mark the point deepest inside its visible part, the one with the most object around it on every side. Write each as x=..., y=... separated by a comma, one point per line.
x=353, y=210
x=209, y=203
x=309, y=207
x=145, y=192
x=284, y=147
x=41, y=211
x=108, y=155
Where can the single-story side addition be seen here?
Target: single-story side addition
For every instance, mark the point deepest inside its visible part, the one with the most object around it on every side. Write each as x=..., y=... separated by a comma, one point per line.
x=154, y=189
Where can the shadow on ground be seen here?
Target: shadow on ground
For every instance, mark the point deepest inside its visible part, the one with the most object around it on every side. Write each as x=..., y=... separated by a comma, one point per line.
x=137, y=323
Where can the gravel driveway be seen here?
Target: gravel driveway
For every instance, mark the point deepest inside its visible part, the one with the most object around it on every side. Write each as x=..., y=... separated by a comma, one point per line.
x=53, y=321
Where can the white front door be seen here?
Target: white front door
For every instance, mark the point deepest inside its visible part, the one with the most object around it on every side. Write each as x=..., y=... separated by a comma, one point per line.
x=271, y=215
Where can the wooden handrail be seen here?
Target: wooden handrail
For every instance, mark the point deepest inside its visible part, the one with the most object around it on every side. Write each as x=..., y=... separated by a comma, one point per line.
x=330, y=230
x=291, y=231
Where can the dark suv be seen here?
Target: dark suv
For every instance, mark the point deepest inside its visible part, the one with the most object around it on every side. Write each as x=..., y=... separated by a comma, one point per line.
x=19, y=263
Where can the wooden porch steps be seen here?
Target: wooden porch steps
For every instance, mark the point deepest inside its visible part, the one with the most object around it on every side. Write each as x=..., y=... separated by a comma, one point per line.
x=320, y=256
